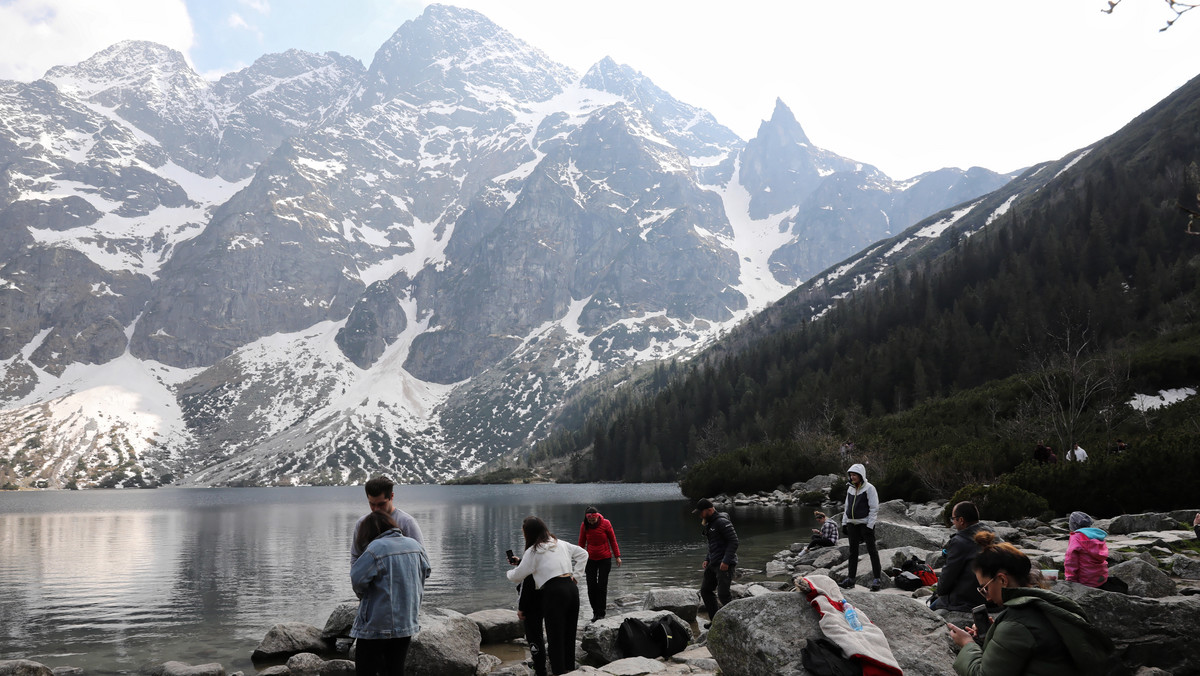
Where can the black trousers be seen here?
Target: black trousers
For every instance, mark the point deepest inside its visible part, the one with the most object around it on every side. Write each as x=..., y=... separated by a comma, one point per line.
x=380, y=656
x=818, y=541
x=530, y=605
x=718, y=581
x=859, y=532
x=560, y=611
x=597, y=584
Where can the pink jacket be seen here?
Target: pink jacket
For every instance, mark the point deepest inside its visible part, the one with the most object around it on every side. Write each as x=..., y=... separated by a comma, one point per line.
x=1087, y=557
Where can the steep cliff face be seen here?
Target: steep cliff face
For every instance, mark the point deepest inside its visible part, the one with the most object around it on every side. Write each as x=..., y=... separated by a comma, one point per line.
x=311, y=270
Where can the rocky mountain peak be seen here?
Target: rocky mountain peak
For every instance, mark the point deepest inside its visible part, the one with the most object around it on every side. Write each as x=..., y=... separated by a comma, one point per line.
x=131, y=63
x=783, y=128
x=449, y=53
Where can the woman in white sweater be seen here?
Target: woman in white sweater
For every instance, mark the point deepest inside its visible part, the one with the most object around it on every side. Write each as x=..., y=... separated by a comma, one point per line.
x=553, y=564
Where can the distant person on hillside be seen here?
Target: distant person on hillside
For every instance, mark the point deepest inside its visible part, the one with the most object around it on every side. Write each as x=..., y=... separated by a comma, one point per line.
x=553, y=563
x=1120, y=446
x=858, y=521
x=846, y=450
x=721, y=560
x=1086, y=560
x=956, y=590
x=597, y=536
x=824, y=535
x=1076, y=453
x=1053, y=457
x=1041, y=453
x=389, y=580
x=379, y=498
x=1196, y=525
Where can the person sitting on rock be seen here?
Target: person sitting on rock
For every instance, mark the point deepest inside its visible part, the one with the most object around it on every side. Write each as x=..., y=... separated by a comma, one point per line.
x=825, y=535
x=1036, y=632
x=1086, y=561
x=956, y=584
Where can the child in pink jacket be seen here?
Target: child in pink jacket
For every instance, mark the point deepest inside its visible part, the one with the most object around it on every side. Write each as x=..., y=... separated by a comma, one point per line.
x=1087, y=553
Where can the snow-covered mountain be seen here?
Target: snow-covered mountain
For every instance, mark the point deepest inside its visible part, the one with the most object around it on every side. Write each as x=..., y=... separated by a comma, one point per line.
x=310, y=271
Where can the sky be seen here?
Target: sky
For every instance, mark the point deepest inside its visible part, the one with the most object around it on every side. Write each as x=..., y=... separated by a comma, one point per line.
x=906, y=86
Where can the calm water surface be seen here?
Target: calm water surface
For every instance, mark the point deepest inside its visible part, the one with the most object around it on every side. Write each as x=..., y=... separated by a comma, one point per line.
x=112, y=581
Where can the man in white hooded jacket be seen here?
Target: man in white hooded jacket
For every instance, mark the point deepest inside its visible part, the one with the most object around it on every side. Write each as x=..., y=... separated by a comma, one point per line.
x=858, y=523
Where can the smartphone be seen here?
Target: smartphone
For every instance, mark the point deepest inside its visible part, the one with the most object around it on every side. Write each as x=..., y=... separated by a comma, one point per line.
x=982, y=621
x=510, y=555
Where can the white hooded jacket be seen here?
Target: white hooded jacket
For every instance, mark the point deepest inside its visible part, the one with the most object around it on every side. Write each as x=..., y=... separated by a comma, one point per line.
x=862, y=503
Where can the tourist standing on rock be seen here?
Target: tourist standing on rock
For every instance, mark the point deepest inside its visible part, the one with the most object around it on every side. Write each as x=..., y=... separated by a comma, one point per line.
x=824, y=535
x=553, y=564
x=1037, y=632
x=1196, y=525
x=389, y=580
x=721, y=560
x=597, y=536
x=379, y=498
x=858, y=522
x=956, y=589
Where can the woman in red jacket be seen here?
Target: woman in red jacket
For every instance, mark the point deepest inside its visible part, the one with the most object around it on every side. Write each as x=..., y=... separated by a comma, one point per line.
x=596, y=535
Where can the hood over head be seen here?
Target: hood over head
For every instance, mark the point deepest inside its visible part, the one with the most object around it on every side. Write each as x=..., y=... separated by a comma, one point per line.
x=858, y=469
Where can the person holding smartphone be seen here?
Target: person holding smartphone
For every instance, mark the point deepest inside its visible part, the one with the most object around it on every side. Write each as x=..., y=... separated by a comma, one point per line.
x=553, y=564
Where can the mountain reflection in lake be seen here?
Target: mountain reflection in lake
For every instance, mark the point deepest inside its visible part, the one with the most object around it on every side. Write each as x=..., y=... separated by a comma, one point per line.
x=115, y=580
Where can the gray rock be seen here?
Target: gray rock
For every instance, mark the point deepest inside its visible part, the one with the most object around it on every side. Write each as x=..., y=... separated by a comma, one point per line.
x=182, y=669
x=23, y=668
x=776, y=569
x=682, y=601
x=277, y=670
x=893, y=535
x=764, y=635
x=337, y=668
x=1143, y=579
x=818, y=483
x=340, y=621
x=305, y=664
x=827, y=557
x=1133, y=523
x=76, y=671
x=1146, y=632
x=1184, y=566
x=633, y=666
x=448, y=644
x=487, y=663
x=497, y=625
x=599, y=639
x=287, y=639
x=896, y=511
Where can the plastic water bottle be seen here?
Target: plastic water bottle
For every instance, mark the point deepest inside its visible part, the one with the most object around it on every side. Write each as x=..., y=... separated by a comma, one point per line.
x=852, y=616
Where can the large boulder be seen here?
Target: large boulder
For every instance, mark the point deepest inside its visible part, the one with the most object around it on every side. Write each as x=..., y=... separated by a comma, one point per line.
x=305, y=664
x=448, y=644
x=633, y=666
x=1146, y=632
x=1133, y=523
x=287, y=639
x=600, y=637
x=1143, y=579
x=895, y=511
x=23, y=668
x=340, y=621
x=498, y=625
x=683, y=601
x=928, y=514
x=1184, y=566
x=765, y=634
x=893, y=535
x=818, y=483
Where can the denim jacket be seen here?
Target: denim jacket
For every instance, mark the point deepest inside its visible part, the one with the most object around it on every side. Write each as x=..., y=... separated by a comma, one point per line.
x=389, y=579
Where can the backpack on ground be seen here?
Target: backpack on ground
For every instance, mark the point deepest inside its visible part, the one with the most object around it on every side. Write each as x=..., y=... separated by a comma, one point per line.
x=658, y=638
x=822, y=657
x=908, y=581
x=921, y=570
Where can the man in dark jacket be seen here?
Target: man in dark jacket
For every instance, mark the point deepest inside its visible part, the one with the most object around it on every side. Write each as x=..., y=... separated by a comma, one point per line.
x=957, y=588
x=722, y=556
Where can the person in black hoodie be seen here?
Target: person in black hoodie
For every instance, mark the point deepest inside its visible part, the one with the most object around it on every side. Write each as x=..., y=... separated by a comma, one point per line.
x=956, y=588
x=721, y=560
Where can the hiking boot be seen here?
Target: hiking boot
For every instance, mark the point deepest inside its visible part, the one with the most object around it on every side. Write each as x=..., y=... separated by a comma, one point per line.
x=875, y=584
x=848, y=583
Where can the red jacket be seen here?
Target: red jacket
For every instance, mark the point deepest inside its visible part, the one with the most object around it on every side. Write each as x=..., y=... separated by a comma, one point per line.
x=599, y=541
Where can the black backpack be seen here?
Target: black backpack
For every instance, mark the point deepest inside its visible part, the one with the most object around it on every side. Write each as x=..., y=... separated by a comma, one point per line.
x=822, y=657
x=658, y=638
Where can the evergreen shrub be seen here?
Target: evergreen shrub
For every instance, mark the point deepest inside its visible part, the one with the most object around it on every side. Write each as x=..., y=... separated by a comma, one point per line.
x=998, y=502
x=755, y=467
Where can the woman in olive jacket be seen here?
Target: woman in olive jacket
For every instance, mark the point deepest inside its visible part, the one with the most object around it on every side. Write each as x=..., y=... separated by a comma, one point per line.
x=1038, y=632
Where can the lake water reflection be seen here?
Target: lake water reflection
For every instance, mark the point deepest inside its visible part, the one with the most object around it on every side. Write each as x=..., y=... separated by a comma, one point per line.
x=112, y=581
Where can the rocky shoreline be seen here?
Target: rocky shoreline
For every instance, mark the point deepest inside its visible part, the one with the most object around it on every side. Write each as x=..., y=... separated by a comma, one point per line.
x=764, y=629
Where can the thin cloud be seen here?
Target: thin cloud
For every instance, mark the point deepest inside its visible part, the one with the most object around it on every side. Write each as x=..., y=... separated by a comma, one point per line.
x=41, y=34
x=260, y=6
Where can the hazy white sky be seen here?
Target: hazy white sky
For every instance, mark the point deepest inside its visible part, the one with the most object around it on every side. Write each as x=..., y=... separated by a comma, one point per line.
x=907, y=86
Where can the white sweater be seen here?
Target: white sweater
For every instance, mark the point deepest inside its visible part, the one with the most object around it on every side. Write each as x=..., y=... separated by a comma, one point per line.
x=549, y=560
